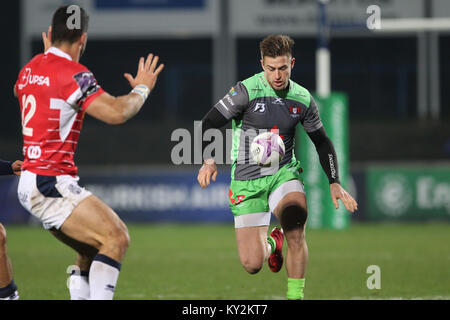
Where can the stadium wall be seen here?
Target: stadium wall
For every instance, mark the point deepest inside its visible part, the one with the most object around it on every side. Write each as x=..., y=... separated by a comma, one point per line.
x=408, y=192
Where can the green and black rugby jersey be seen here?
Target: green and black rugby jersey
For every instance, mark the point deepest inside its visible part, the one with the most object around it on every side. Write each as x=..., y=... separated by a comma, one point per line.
x=255, y=107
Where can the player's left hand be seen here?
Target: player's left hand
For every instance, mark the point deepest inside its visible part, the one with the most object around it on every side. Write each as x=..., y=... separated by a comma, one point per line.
x=207, y=172
x=17, y=167
x=147, y=73
x=337, y=192
x=47, y=39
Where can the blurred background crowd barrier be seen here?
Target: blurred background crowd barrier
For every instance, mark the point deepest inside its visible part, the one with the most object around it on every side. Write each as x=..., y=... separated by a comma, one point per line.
x=395, y=83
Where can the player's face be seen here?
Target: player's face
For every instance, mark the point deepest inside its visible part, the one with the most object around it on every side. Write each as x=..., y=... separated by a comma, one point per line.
x=277, y=70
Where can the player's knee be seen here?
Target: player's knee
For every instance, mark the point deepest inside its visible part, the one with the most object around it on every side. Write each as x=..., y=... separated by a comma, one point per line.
x=2, y=237
x=252, y=269
x=293, y=217
x=127, y=239
x=123, y=239
x=252, y=266
x=119, y=238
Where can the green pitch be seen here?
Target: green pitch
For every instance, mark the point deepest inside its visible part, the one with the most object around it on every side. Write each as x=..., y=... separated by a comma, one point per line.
x=192, y=262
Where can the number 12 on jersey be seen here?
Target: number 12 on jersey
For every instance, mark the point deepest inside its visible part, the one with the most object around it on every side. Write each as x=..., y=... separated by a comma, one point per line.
x=28, y=103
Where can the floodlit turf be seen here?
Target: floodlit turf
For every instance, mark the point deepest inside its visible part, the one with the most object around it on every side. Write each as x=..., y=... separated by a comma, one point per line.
x=196, y=262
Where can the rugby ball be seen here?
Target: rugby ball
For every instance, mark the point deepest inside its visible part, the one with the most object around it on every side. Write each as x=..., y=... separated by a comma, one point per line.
x=267, y=149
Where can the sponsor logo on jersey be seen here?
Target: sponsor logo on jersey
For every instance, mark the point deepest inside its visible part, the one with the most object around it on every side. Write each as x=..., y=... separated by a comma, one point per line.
x=230, y=101
x=87, y=83
x=34, y=152
x=260, y=107
x=29, y=78
x=294, y=111
x=276, y=131
x=278, y=101
x=238, y=199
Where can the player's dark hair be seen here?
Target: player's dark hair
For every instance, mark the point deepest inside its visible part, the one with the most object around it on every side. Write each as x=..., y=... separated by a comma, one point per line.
x=276, y=45
x=66, y=27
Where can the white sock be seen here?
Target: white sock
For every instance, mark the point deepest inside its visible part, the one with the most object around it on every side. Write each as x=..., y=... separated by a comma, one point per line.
x=79, y=286
x=103, y=276
x=268, y=249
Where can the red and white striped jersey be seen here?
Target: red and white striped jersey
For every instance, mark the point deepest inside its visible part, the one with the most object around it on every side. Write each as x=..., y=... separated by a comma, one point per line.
x=53, y=93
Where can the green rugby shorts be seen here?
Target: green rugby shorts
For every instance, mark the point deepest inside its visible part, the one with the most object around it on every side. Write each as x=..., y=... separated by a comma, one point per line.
x=252, y=201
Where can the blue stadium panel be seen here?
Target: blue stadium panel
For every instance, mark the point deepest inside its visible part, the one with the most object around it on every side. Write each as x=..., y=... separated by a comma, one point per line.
x=149, y=4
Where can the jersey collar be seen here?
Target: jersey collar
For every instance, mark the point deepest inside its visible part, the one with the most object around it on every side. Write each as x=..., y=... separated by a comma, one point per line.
x=59, y=53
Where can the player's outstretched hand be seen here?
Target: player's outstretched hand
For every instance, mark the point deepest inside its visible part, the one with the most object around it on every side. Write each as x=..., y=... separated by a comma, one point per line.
x=207, y=173
x=147, y=73
x=17, y=167
x=47, y=39
x=337, y=192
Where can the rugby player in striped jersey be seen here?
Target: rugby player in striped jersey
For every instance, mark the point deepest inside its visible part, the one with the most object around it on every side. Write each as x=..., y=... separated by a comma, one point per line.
x=55, y=92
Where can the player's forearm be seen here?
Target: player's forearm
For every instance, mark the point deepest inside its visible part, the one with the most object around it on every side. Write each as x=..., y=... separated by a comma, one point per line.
x=328, y=161
x=327, y=154
x=129, y=105
x=213, y=120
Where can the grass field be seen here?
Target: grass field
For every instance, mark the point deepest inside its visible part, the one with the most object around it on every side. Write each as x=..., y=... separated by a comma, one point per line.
x=200, y=262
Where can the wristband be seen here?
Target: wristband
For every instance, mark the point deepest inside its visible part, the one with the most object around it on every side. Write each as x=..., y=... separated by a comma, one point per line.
x=142, y=90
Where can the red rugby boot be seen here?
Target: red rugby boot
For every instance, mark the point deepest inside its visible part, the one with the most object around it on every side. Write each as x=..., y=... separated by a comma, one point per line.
x=275, y=260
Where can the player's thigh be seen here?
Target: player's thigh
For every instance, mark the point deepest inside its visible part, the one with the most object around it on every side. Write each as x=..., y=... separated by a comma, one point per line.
x=94, y=223
x=251, y=243
x=292, y=212
x=288, y=200
x=291, y=199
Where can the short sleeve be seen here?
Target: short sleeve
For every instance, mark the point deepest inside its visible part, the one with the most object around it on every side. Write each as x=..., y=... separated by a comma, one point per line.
x=234, y=102
x=82, y=89
x=89, y=88
x=311, y=121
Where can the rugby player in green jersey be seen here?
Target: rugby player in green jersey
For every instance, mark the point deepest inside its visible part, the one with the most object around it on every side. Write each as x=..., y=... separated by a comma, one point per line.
x=265, y=102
